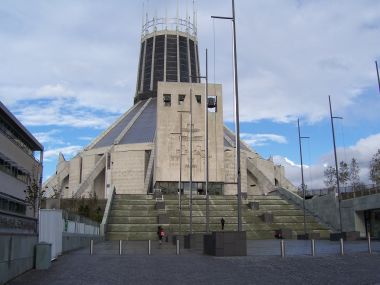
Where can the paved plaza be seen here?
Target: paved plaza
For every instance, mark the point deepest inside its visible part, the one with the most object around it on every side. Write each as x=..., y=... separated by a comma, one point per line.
x=263, y=265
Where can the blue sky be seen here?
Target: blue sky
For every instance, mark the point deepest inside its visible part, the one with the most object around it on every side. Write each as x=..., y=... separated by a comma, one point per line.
x=68, y=70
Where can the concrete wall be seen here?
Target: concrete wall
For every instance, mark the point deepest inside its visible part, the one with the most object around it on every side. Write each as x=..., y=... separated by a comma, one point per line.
x=74, y=176
x=230, y=187
x=16, y=255
x=326, y=208
x=168, y=143
x=128, y=171
x=9, y=184
x=12, y=186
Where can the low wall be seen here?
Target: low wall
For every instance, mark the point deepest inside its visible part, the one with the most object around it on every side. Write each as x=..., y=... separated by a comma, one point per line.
x=326, y=209
x=72, y=241
x=53, y=228
x=16, y=254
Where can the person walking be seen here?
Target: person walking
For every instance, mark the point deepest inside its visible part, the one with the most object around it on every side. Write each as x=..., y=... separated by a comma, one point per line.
x=161, y=234
x=222, y=221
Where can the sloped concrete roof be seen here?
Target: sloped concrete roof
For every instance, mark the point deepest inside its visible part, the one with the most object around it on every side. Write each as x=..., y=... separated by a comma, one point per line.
x=143, y=129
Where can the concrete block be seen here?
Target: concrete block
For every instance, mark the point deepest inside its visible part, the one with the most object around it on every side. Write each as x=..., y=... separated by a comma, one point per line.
x=43, y=256
x=336, y=236
x=313, y=235
x=267, y=218
x=225, y=244
x=160, y=205
x=254, y=205
x=350, y=236
x=284, y=234
x=162, y=219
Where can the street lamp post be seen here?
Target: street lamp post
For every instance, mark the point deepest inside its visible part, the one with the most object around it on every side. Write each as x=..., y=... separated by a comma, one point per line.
x=302, y=177
x=206, y=146
x=378, y=77
x=236, y=93
x=336, y=166
x=191, y=161
x=180, y=175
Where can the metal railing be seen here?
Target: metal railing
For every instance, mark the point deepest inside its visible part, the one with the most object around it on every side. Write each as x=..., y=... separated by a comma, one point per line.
x=347, y=192
x=171, y=24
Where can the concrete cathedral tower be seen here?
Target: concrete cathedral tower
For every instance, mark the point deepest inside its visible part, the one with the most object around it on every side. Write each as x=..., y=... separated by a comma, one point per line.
x=161, y=139
x=169, y=53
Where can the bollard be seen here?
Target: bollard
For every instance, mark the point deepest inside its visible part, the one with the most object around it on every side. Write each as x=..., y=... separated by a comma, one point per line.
x=369, y=243
x=312, y=247
x=177, y=247
x=120, y=247
x=91, y=247
x=149, y=247
x=341, y=247
x=282, y=247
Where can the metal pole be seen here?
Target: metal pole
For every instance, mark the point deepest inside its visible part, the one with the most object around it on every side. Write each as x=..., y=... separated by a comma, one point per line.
x=336, y=167
x=236, y=107
x=180, y=177
x=369, y=243
x=378, y=77
x=206, y=150
x=341, y=247
x=237, y=118
x=312, y=247
x=120, y=247
x=177, y=248
x=91, y=247
x=302, y=177
x=282, y=248
x=149, y=247
x=191, y=161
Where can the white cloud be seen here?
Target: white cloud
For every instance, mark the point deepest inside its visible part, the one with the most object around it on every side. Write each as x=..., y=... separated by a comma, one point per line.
x=362, y=151
x=262, y=139
x=48, y=137
x=291, y=54
x=67, y=151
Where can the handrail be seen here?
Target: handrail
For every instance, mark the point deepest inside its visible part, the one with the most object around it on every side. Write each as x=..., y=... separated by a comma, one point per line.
x=107, y=210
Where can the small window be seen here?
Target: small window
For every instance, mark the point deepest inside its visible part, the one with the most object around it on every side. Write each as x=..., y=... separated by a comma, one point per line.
x=167, y=99
x=212, y=103
x=181, y=99
x=198, y=98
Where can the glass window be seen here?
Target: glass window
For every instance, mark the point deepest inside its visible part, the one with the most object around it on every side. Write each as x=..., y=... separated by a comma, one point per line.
x=167, y=100
x=181, y=99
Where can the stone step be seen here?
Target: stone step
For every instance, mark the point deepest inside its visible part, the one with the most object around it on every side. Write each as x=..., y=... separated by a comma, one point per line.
x=133, y=202
x=134, y=217
x=129, y=213
x=134, y=207
x=132, y=220
x=132, y=197
x=132, y=235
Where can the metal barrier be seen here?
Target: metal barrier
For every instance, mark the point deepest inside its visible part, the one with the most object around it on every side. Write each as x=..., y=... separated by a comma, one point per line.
x=341, y=247
x=149, y=247
x=120, y=247
x=369, y=243
x=177, y=249
x=312, y=247
x=91, y=247
x=282, y=248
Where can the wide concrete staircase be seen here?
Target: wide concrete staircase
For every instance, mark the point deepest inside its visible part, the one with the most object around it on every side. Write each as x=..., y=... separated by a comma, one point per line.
x=133, y=217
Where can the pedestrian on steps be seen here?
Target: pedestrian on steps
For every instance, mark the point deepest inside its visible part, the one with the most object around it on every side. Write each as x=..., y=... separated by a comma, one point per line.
x=161, y=234
x=222, y=221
